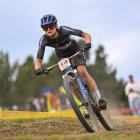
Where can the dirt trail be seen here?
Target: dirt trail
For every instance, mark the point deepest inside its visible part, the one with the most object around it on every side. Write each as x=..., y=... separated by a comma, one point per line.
x=42, y=127
x=62, y=126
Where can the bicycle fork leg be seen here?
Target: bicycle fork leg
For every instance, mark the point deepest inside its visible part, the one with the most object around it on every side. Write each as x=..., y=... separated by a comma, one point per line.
x=88, y=103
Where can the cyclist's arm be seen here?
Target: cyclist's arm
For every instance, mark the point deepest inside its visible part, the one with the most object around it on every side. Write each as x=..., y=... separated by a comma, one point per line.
x=38, y=63
x=71, y=31
x=39, y=58
x=86, y=37
x=77, y=32
x=40, y=54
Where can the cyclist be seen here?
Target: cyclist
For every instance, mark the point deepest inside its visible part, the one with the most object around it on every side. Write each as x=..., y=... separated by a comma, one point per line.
x=52, y=100
x=59, y=38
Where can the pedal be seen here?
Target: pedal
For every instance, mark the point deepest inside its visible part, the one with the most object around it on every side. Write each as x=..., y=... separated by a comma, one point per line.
x=102, y=103
x=86, y=114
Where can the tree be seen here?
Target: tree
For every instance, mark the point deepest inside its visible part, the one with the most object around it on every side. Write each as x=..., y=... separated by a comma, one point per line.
x=27, y=83
x=6, y=73
x=54, y=78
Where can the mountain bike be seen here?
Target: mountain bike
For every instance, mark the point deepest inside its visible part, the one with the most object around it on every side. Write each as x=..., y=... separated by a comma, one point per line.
x=76, y=89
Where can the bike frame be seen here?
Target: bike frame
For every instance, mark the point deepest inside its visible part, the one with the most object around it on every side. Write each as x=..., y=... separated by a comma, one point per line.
x=80, y=82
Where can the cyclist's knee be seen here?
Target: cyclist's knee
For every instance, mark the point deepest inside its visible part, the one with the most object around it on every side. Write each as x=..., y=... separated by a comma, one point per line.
x=82, y=70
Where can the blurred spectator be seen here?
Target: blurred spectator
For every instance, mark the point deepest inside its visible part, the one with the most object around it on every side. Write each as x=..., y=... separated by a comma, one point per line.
x=28, y=104
x=52, y=100
x=14, y=107
x=132, y=90
x=36, y=104
x=64, y=99
x=42, y=104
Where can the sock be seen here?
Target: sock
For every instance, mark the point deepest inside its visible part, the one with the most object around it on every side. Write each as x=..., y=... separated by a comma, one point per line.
x=96, y=95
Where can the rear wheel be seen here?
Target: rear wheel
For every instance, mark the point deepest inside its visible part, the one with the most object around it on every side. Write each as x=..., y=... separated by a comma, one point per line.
x=73, y=91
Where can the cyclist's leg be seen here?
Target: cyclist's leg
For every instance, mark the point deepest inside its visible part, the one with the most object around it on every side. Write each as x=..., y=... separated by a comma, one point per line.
x=88, y=79
x=80, y=63
x=91, y=85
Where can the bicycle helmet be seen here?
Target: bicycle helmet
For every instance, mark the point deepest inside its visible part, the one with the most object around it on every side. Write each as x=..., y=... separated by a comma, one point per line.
x=47, y=20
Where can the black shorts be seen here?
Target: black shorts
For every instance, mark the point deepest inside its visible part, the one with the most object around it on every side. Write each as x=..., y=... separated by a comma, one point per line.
x=71, y=50
x=78, y=60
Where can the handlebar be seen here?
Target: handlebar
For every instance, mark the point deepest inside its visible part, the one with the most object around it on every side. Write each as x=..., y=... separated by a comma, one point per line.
x=55, y=65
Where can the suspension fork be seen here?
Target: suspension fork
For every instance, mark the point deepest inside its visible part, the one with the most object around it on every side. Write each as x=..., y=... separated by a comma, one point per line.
x=82, y=87
x=80, y=83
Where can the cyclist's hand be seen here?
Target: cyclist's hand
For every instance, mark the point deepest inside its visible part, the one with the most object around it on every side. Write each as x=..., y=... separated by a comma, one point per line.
x=87, y=46
x=39, y=71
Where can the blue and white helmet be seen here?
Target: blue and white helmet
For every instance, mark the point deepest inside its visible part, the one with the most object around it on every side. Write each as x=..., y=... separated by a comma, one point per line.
x=47, y=20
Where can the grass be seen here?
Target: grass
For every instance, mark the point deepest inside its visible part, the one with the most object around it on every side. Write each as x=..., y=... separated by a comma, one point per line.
x=66, y=129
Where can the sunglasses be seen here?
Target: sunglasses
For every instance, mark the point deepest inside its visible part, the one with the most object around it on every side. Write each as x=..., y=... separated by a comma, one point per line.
x=51, y=27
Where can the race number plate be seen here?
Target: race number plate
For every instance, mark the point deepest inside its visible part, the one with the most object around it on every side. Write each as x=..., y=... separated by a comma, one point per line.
x=64, y=63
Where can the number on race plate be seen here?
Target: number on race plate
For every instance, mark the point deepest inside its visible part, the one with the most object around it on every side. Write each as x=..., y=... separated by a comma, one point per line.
x=64, y=63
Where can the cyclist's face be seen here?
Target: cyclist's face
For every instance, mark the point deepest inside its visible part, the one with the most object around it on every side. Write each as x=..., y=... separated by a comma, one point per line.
x=50, y=30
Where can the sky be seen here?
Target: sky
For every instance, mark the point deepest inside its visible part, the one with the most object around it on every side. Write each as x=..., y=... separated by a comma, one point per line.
x=113, y=23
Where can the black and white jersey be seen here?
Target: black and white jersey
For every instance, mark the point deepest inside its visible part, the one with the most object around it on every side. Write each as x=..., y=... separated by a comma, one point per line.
x=64, y=45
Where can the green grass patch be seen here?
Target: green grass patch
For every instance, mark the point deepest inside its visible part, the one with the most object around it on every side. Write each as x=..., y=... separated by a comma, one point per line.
x=64, y=129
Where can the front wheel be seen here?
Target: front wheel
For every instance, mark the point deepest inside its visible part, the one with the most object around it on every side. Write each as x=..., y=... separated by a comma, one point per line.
x=73, y=91
x=105, y=119
x=103, y=116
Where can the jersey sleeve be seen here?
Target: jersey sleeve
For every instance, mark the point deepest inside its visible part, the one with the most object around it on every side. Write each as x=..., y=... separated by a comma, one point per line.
x=72, y=31
x=41, y=50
